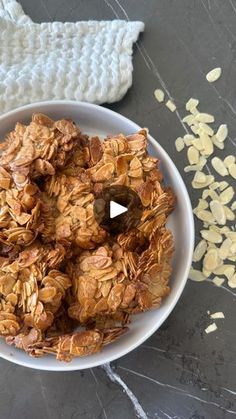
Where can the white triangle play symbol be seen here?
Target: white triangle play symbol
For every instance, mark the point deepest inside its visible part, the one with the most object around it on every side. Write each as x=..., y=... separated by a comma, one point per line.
x=116, y=209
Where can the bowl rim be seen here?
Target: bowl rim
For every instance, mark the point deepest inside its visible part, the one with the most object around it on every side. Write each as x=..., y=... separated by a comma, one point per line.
x=67, y=366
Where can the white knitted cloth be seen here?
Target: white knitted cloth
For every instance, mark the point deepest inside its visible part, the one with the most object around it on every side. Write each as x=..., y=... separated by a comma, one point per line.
x=89, y=61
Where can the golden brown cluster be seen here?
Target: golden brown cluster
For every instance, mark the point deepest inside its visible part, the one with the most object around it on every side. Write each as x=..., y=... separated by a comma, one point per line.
x=58, y=268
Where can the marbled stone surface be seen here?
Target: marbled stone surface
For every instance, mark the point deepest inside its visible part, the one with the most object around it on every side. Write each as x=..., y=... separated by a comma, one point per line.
x=180, y=372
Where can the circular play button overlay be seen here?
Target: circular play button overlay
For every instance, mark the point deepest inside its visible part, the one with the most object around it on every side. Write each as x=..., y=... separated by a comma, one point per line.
x=118, y=209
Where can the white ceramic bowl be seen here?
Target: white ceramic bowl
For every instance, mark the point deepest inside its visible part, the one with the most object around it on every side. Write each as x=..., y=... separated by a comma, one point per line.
x=94, y=119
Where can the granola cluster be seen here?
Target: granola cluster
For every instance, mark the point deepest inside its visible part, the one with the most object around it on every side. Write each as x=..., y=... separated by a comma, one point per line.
x=59, y=269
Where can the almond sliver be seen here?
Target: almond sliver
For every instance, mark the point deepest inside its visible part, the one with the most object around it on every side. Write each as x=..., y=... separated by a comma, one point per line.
x=214, y=75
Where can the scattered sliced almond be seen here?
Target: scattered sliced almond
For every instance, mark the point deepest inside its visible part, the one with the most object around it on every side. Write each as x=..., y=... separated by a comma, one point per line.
x=195, y=129
x=231, y=235
x=218, y=212
x=207, y=145
x=219, y=166
x=210, y=193
x=211, y=328
x=206, y=129
x=204, y=117
x=208, y=181
x=195, y=167
x=211, y=260
x=189, y=119
x=206, y=272
x=191, y=104
x=227, y=195
x=206, y=216
x=218, y=281
x=179, y=144
x=224, y=249
x=217, y=143
x=193, y=155
x=214, y=75
x=171, y=106
x=199, y=251
x=211, y=236
x=229, y=214
x=226, y=270
x=197, y=143
x=232, y=170
x=202, y=205
x=217, y=315
x=159, y=95
x=200, y=177
x=222, y=133
x=229, y=160
x=196, y=275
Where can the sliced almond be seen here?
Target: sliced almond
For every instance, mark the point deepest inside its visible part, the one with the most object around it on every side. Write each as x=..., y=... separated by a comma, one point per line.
x=211, y=260
x=199, y=250
x=224, y=249
x=217, y=143
x=191, y=104
x=197, y=143
x=229, y=160
x=204, y=117
x=206, y=273
x=219, y=166
x=159, y=95
x=207, y=144
x=196, y=275
x=211, y=236
x=232, y=170
x=195, y=167
x=218, y=281
x=208, y=181
x=188, y=138
x=206, y=216
x=195, y=129
x=179, y=144
x=206, y=129
x=222, y=133
x=226, y=270
x=218, y=212
x=227, y=195
x=193, y=155
x=211, y=328
x=229, y=214
x=217, y=315
x=231, y=235
x=202, y=204
x=200, y=177
x=170, y=105
x=210, y=193
x=214, y=75
x=189, y=119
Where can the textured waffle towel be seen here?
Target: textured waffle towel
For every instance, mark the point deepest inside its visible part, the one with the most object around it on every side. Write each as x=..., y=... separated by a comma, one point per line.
x=89, y=61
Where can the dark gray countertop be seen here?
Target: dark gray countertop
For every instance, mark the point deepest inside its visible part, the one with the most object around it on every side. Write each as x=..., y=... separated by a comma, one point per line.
x=180, y=372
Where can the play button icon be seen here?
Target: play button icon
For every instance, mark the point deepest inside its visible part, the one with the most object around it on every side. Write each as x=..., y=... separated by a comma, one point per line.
x=118, y=209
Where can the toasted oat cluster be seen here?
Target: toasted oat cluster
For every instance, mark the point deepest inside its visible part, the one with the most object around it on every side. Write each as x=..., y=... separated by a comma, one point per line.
x=59, y=269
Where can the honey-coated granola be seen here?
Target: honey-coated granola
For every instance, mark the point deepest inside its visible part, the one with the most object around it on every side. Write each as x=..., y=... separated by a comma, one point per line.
x=59, y=269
